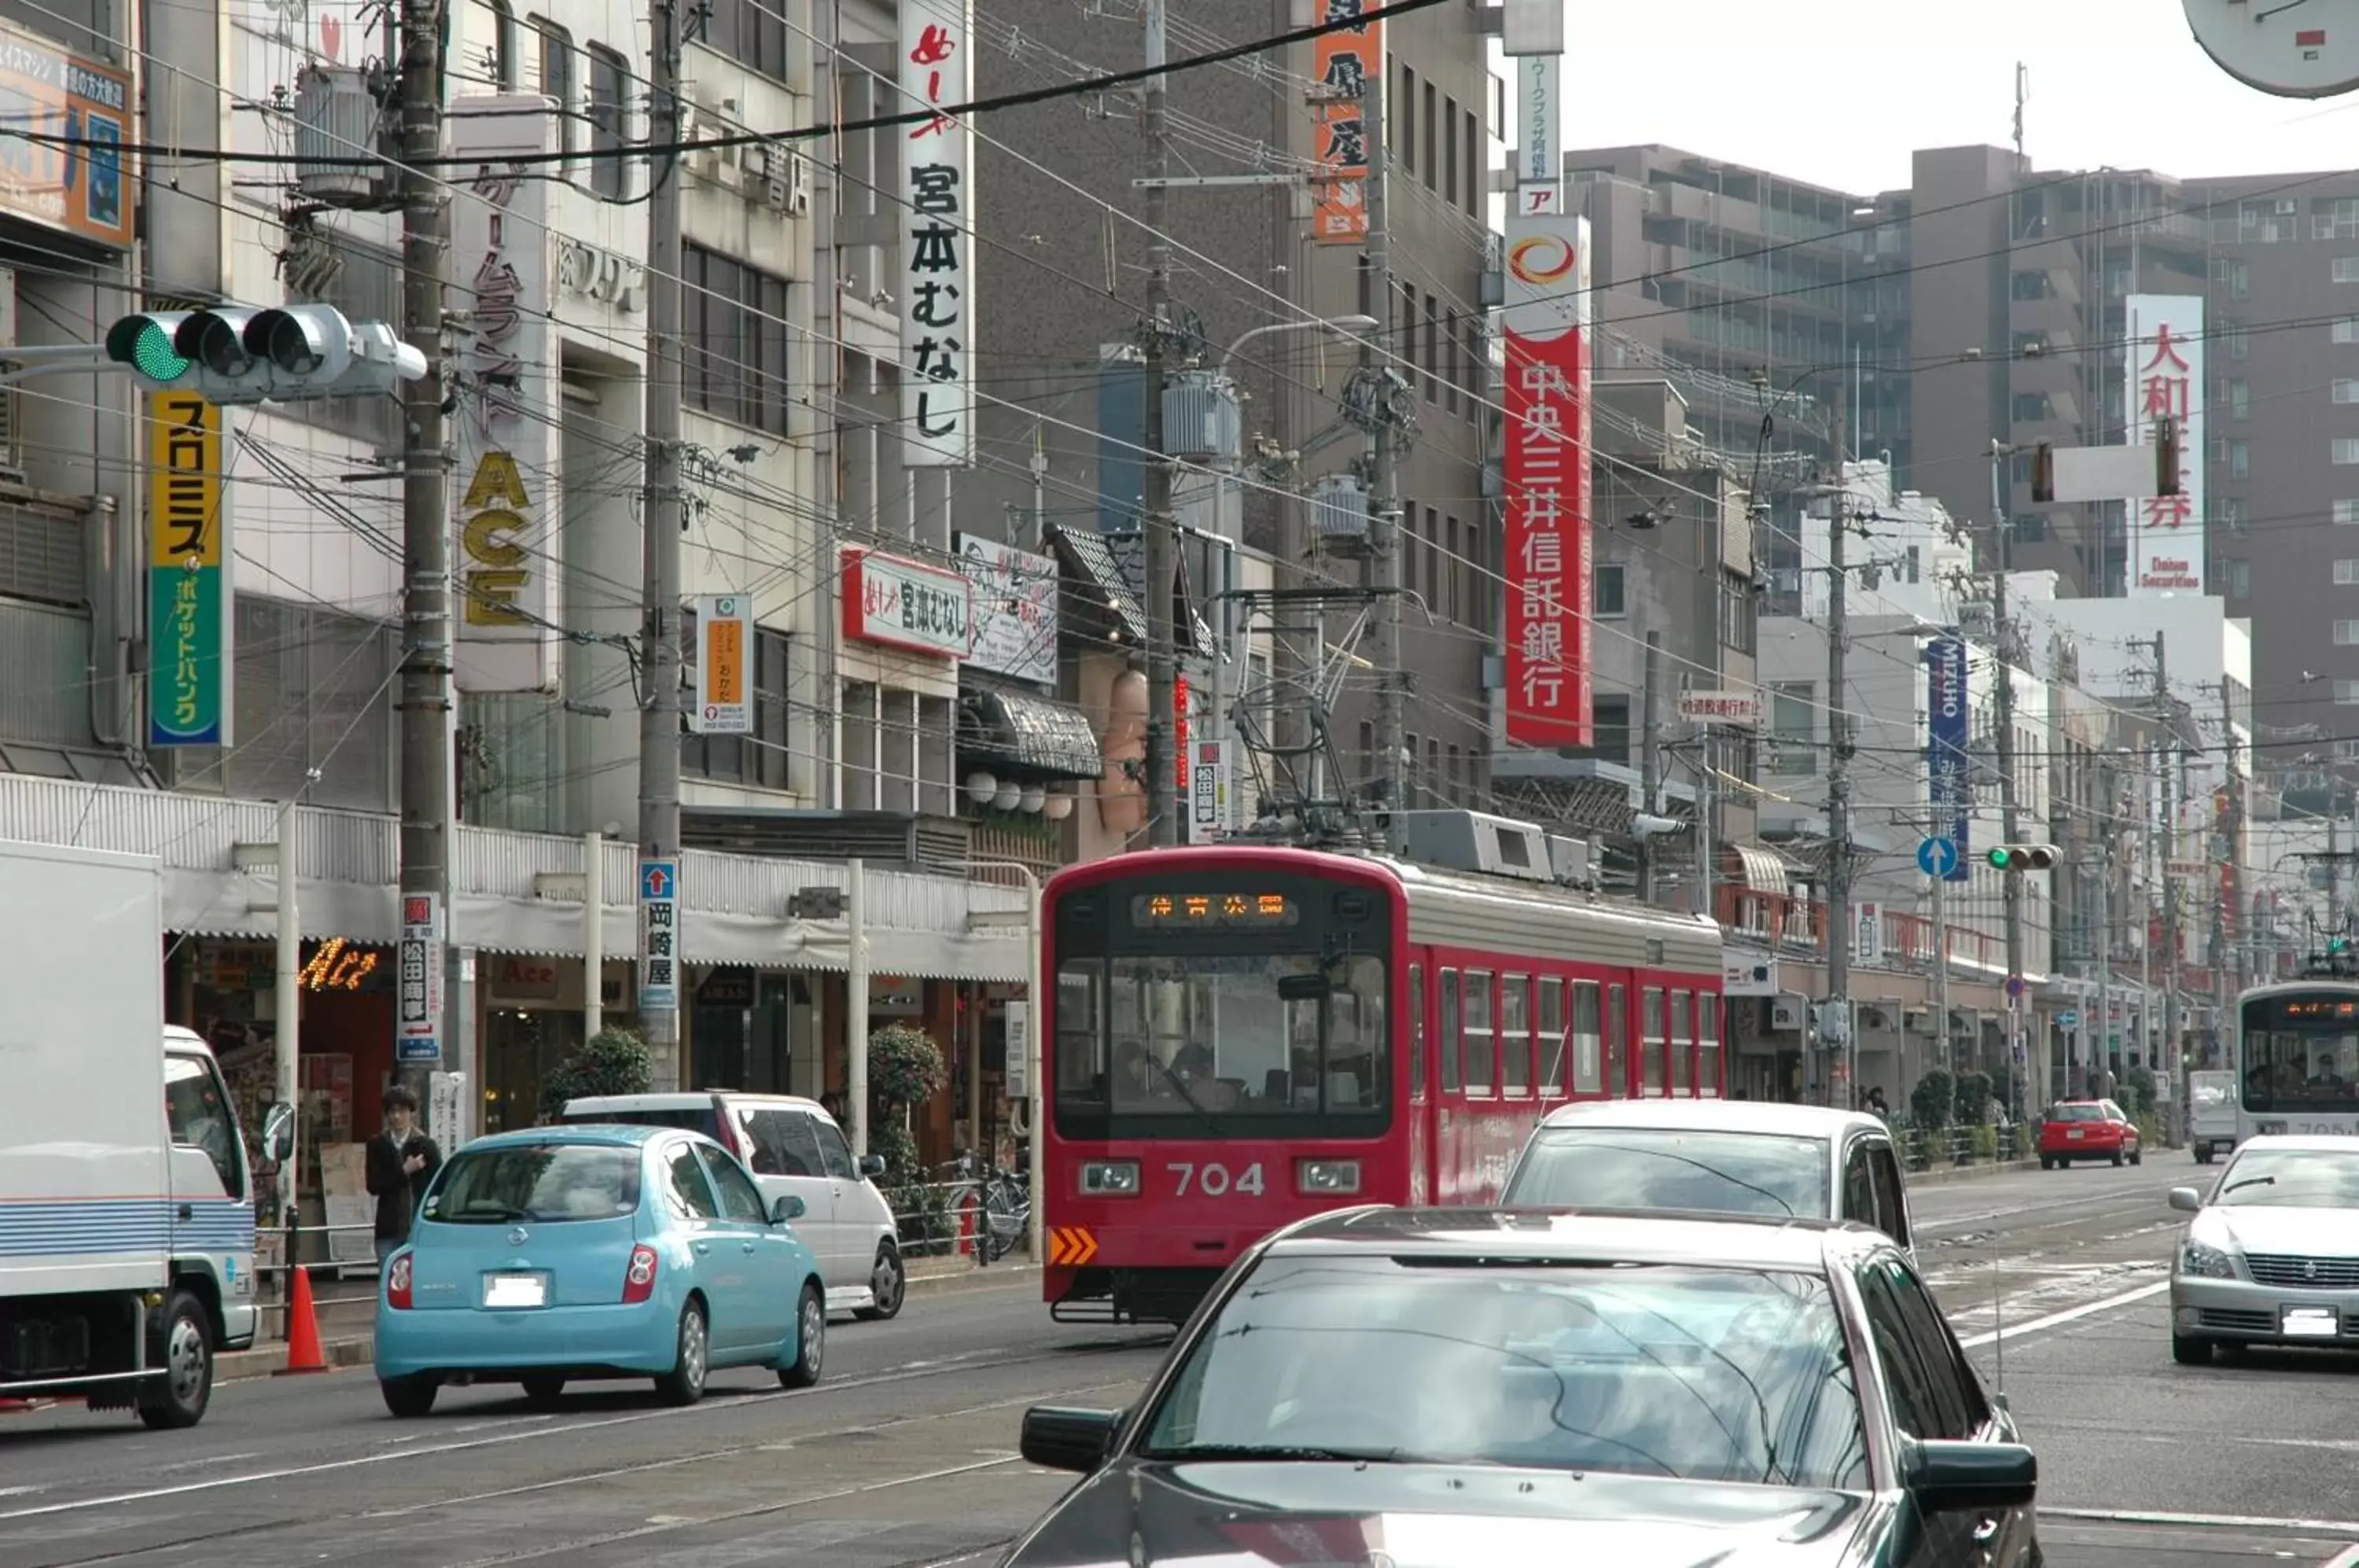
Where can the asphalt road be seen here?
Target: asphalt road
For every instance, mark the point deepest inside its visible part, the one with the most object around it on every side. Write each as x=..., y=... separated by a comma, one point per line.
x=904, y=1458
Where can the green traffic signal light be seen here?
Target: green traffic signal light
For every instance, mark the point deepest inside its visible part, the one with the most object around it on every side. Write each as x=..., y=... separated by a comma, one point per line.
x=2002, y=859
x=145, y=343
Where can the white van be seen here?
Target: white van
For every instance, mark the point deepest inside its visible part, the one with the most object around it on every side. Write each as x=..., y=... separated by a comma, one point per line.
x=792, y=1145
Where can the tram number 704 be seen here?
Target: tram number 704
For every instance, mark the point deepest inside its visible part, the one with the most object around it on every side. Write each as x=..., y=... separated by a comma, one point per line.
x=1217, y=1182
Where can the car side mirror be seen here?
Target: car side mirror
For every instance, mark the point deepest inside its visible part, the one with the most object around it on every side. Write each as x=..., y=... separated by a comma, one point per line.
x=2185, y=1200
x=1063, y=1437
x=1973, y=1477
x=787, y=1210
x=278, y=1134
x=872, y=1166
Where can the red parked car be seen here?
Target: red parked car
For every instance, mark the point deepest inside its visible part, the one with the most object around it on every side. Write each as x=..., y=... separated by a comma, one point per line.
x=2086, y=1129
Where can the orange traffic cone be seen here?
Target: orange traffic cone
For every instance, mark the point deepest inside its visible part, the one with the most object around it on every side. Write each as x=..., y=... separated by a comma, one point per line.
x=302, y=1329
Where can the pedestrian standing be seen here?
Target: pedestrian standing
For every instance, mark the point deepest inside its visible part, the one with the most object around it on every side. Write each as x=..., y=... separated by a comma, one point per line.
x=401, y=1162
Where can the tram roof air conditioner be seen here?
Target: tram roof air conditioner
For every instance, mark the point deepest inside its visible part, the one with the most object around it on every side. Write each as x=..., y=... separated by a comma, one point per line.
x=1475, y=841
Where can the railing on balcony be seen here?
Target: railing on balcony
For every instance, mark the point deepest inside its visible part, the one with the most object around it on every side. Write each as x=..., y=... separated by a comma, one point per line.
x=1799, y=926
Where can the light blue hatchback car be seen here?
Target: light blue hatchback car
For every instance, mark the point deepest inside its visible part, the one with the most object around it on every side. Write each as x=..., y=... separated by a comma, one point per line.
x=556, y=1254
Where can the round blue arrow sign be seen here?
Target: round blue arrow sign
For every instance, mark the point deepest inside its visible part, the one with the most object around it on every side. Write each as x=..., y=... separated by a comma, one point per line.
x=1937, y=857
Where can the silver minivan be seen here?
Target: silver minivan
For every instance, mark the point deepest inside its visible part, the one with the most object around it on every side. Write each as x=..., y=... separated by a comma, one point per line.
x=1714, y=1157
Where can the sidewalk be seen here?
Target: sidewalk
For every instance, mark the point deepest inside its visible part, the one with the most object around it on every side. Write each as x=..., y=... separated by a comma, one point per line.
x=346, y=1323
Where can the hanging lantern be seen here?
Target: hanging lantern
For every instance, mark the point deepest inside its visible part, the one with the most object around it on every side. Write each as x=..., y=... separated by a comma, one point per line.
x=1033, y=797
x=1009, y=793
x=1057, y=807
x=981, y=787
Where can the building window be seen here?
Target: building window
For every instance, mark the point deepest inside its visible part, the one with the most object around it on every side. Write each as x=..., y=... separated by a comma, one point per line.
x=2240, y=458
x=1610, y=726
x=735, y=347
x=1605, y=594
x=2029, y=408
x=2030, y=285
x=2346, y=633
x=2346, y=449
x=2239, y=400
x=1793, y=729
x=2237, y=276
x=1474, y=162
x=503, y=62
x=2240, y=343
x=557, y=76
x=2346, y=511
x=610, y=122
x=2235, y=512
x=2334, y=218
x=751, y=32
x=1736, y=612
x=758, y=759
x=2346, y=572
x=2346, y=693
x=2346, y=390
x=2346, y=269
x=2237, y=576
x=1405, y=122
x=2346, y=331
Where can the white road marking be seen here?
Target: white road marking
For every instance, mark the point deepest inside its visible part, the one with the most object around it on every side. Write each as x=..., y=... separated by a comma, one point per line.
x=2053, y=1319
x=2214, y=1521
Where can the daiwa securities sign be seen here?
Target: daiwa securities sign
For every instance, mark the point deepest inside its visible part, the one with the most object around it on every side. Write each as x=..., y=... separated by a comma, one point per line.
x=937, y=249
x=2165, y=367
x=1547, y=473
x=1948, y=737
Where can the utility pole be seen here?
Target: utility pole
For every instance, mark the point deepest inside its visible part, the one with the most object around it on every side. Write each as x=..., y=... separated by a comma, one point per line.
x=660, y=523
x=1650, y=759
x=2169, y=1050
x=428, y=769
x=1839, y=931
x=1383, y=461
x=1163, y=805
x=1941, y=969
x=2018, y=1003
x=2229, y=967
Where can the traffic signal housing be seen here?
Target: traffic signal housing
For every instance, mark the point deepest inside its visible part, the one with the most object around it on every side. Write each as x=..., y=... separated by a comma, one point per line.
x=2023, y=858
x=285, y=354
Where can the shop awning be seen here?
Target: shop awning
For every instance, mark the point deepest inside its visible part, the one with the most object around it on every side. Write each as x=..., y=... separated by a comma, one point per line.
x=1026, y=735
x=1764, y=870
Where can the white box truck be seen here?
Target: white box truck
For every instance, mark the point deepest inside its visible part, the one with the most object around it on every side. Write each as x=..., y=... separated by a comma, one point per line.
x=127, y=1206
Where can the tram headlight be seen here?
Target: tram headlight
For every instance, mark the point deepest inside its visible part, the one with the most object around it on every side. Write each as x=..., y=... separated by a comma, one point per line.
x=1111, y=1178
x=1327, y=1175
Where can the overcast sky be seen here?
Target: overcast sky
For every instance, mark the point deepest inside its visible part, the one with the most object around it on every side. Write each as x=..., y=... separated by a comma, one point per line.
x=1838, y=92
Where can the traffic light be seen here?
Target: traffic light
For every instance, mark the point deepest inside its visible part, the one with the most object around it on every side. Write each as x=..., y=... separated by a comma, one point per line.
x=2023, y=858
x=285, y=354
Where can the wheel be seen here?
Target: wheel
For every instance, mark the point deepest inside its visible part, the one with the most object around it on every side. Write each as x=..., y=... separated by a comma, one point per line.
x=684, y=1384
x=2202, y=1154
x=811, y=1339
x=890, y=1283
x=543, y=1392
x=410, y=1398
x=178, y=1399
x=2117, y=1160
x=2137, y=1156
x=2047, y=1162
x=2190, y=1350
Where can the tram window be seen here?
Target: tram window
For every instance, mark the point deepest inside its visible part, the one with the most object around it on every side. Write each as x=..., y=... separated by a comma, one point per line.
x=1617, y=1041
x=1707, y=1044
x=1417, y=1031
x=1588, y=1042
x=1482, y=1050
x=1080, y=1030
x=1516, y=1035
x=1650, y=1040
x=1681, y=1042
x=1551, y=1075
x=1450, y=1077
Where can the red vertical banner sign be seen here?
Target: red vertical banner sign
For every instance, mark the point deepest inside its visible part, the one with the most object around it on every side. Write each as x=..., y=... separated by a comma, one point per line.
x=1339, y=64
x=1547, y=481
x=1180, y=730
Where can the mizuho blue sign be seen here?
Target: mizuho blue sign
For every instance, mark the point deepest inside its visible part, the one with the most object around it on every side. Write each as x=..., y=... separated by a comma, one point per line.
x=1948, y=737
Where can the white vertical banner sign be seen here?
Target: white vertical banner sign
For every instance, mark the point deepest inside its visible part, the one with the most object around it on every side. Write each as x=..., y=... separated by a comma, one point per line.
x=724, y=638
x=1208, y=791
x=1867, y=934
x=418, y=1028
x=1017, y=1071
x=2164, y=368
x=1540, y=146
x=937, y=293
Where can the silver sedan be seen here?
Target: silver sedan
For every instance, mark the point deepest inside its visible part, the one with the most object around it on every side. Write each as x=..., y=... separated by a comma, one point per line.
x=2272, y=1255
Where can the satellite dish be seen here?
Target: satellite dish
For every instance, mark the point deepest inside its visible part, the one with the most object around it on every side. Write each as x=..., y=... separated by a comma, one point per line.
x=2289, y=48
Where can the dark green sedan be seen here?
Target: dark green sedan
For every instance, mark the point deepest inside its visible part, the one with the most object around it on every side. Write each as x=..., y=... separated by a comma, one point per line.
x=1436, y=1387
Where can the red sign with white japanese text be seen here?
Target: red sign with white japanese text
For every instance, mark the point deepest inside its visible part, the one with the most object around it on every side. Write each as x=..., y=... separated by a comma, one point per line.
x=2164, y=373
x=1548, y=483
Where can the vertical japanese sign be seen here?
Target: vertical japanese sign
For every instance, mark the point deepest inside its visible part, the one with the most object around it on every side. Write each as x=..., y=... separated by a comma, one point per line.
x=1548, y=483
x=725, y=697
x=1949, y=735
x=1340, y=62
x=188, y=648
x=2165, y=369
x=658, y=935
x=418, y=1028
x=937, y=259
x=505, y=423
x=1539, y=148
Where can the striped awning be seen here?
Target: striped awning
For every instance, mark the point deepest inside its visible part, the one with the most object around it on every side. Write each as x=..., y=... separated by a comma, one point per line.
x=1764, y=870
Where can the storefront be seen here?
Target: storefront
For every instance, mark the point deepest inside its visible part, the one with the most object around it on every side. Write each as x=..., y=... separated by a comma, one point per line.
x=754, y=1031
x=532, y=1019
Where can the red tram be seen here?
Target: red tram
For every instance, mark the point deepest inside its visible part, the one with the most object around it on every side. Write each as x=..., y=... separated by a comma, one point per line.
x=1237, y=1036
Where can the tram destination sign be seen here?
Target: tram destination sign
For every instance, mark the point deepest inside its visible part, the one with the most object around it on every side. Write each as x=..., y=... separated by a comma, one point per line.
x=1200, y=911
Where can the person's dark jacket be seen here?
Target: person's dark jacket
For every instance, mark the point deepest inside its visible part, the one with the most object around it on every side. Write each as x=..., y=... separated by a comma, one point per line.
x=397, y=1191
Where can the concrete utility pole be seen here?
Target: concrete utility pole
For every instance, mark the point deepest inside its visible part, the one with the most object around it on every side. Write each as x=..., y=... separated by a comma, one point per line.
x=2226, y=960
x=1650, y=757
x=660, y=523
x=427, y=771
x=2169, y=1050
x=1384, y=463
x=1163, y=804
x=1839, y=931
x=2018, y=1059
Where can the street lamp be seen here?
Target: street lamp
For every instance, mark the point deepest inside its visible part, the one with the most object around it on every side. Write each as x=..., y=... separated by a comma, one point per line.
x=1347, y=324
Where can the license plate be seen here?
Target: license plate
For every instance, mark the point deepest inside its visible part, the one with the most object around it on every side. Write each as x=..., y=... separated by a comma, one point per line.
x=2311, y=1323
x=520, y=1291
x=2074, y=1133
